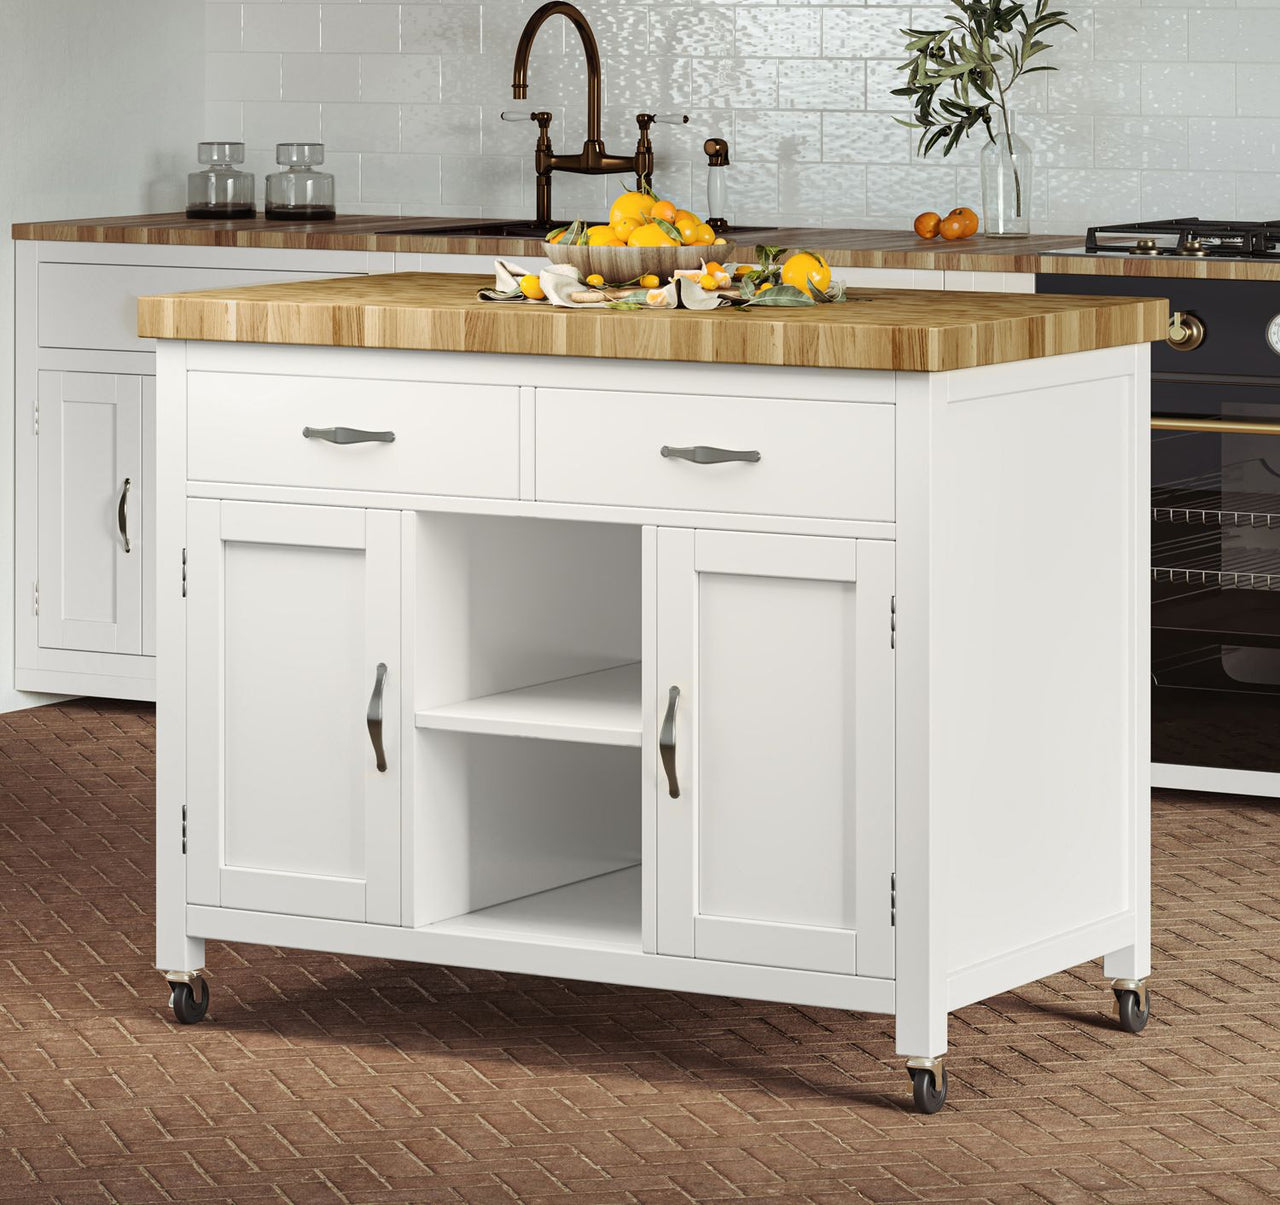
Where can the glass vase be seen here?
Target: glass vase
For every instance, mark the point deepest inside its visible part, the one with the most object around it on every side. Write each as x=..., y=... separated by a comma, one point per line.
x=1007, y=175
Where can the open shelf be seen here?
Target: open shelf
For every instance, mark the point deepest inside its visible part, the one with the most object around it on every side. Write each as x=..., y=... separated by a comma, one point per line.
x=603, y=911
x=601, y=708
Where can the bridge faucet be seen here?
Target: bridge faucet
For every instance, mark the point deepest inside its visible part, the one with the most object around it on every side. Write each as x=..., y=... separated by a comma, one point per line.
x=593, y=159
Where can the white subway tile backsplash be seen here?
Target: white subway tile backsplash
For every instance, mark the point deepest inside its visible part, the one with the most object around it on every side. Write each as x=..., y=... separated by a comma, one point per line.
x=1157, y=105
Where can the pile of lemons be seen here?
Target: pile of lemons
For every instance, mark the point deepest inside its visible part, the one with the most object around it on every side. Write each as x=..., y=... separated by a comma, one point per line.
x=640, y=219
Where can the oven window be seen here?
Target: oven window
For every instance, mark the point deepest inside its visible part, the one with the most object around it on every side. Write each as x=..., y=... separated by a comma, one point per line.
x=1215, y=511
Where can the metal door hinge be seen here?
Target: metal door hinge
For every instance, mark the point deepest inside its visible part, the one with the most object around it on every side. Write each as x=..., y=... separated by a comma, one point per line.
x=893, y=621
x=35, y=598
x=184, y=828
x=35, y=421
x=184, y=573
x=893, y=898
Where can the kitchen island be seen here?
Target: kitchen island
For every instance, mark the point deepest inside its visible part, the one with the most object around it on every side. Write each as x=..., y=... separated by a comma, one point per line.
x=789, y=654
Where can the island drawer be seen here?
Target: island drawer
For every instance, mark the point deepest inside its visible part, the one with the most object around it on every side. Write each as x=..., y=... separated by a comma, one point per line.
x=409, y=437
x=814, y=459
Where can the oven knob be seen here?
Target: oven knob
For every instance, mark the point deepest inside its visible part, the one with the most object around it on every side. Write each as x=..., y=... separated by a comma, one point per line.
x=1186, y=331
x=1273, y=334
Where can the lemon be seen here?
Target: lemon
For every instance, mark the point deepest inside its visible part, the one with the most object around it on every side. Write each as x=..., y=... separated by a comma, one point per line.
x=803, y=267
x=709, y=281
x=532, y=288
x=633, y=205
x=688, y=227
x=652, y=235
x=648, y=281
x=595, y=280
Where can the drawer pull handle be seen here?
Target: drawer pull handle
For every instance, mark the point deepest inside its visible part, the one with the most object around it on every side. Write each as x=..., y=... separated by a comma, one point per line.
x=348, y=435
x=122, y=515
x=705, y=455
x=667, y=743
x=374, y=718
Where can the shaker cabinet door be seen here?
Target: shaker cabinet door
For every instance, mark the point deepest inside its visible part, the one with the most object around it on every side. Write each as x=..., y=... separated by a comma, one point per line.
x=293, y=683
x=91, y=546
x=774, y=690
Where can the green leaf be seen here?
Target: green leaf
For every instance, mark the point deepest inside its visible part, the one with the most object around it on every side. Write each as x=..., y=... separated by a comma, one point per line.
x=668, y=229
x=781, y=295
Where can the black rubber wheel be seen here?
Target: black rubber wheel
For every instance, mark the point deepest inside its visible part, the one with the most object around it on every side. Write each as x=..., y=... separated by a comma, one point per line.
x=929, y=1097
x=188, y=1006
x=1133, y=1017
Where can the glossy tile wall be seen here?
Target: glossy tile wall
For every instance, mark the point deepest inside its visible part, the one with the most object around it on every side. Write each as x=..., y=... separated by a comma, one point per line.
x=1157, y=107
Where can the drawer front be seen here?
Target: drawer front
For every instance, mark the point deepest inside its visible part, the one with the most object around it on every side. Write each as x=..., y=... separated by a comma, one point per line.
x=817, y=459
x=452, y=439
x=95, y=306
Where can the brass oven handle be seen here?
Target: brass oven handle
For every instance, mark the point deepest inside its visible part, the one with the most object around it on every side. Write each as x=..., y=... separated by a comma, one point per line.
x=1186, y=331
x=374, y=717
x=705, y=455
x=667, y=743
x=348, y=435
x=1213, y=426
x=122, y=515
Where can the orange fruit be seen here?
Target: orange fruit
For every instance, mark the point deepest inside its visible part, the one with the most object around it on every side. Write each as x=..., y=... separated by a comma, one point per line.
x=684, y=215
x=970, y=219
x=595, y=280
x=926, y=224
x=742, y=269
x=624, y=228
x=713, y=267
x=803, y=267
x=657, y=298
x=768, y=284
x=648, y=281
x=953, y=227
x=634, y=205
x=688, y=227
x=663, y=210
x=603, y=236
x=558, y=235
x=708, y=281
x=651, y=235
x=531, y=288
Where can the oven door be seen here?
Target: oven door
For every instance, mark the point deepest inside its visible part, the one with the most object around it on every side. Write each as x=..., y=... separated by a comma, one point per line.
x=1215, y=619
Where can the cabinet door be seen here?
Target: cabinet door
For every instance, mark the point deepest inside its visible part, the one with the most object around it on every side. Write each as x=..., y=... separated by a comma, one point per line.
x=779, y=848
x=291, y=610
x=90, y=498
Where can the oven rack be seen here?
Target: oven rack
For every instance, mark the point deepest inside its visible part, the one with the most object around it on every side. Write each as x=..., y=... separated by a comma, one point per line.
x=1204, y=501
x=1255, y=571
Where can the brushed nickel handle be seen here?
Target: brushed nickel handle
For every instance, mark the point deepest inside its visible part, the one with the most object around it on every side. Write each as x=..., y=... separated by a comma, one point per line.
x=1186, y=331
x=667, y=743
x=705, y=455
x=348, y=435
x=374, y=718
x=122, y=515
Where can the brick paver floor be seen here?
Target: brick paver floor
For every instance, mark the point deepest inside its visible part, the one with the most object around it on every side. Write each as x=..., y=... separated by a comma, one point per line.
x=320, y=1079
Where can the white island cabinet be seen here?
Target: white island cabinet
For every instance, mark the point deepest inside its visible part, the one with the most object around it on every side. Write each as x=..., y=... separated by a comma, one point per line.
x=822, y=685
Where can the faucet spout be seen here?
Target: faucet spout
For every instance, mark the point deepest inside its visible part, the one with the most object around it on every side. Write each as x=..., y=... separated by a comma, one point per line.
x=575, y=17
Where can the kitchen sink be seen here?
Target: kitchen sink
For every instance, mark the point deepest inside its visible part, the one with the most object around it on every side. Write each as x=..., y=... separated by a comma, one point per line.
x=530, y=230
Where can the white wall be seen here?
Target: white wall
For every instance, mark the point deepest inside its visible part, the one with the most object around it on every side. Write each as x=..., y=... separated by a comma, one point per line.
x=99, y=113
x=1159, y=106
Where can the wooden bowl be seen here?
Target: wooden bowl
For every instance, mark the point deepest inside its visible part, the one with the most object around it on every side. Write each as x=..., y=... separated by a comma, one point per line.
x=618, y=265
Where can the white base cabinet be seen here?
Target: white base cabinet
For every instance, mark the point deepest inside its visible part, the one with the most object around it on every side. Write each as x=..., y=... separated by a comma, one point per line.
x=724, y=727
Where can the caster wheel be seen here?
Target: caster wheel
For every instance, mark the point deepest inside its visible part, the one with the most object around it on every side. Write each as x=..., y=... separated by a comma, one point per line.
x=929, y=1096
x=188, y=1006
x=1133, y=1017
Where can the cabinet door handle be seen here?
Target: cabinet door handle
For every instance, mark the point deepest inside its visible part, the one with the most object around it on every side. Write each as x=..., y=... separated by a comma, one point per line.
x=374, y=718
x=122, y=515
x=705, y=455
x=667, y=743
x=348, y=435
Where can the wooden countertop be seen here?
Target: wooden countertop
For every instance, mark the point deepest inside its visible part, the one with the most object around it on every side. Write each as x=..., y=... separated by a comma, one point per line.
x=906, y=329
x=844, y=248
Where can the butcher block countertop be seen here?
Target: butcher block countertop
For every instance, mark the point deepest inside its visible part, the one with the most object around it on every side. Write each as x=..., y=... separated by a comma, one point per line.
x=844, y=248
x=909, y=330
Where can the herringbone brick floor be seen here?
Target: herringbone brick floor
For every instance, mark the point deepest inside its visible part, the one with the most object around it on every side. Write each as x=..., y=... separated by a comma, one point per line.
x=321, y=1079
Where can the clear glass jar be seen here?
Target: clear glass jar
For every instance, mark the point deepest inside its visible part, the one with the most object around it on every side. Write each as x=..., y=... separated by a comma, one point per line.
x=300, y=193
x=220, y=190
x=1007, y=175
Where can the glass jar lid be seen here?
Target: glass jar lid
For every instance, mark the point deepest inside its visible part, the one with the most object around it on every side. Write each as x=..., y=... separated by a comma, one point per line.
x=220, y=152
x=299, y=154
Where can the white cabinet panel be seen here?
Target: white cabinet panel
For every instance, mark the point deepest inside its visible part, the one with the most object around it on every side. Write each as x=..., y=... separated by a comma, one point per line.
x=91, y=545
x=291, y=610
x=779, y=848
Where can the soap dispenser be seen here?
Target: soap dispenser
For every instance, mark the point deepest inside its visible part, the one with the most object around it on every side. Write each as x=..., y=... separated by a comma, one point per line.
x=717, y=150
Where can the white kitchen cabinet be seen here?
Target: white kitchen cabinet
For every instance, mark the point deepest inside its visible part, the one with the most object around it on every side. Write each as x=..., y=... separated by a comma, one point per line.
x=90, y=511
x=293, y=680
x=84, y=619
x=775, y=807
x=911, y=760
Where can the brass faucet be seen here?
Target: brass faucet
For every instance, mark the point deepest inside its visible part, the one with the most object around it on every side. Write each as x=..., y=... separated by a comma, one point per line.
x=593, y=160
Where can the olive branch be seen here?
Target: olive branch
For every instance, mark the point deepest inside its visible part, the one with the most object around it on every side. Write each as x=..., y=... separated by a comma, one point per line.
x=953, y=80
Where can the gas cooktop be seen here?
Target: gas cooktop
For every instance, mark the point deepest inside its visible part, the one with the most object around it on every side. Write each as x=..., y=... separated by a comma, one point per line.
x=1193, y=238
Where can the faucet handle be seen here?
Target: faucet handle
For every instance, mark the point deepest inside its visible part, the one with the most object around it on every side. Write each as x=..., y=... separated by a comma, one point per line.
x=543, y=119
x=672, y=119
